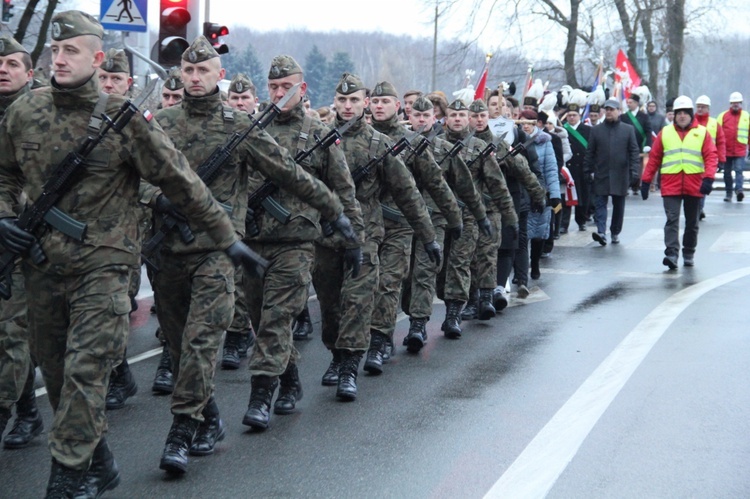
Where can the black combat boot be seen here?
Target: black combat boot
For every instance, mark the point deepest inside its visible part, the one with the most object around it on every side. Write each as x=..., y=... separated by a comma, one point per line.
x=374, y=358
x=121, y=386
x=417, y=336
x=210, y=431
x=290, y=391
x=303, y=327
x=452, y=323
x=347, y=387
x=485, y=311
x=387, y=350
x=164, y=379
x=102, y=475
x=231, y=354
x=470, y=310
x=331, y=376
x=174, y=459
x=247, y=339
x=28, y=423
x=4, y=418
x=63, y=481
x=499, y=300
x=259, y=409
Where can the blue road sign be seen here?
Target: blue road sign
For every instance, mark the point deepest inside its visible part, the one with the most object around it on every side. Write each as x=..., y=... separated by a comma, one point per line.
x=124, y=15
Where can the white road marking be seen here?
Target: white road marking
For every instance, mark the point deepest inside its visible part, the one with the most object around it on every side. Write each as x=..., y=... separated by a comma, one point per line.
x=652, y=239
x=549, y=270
x=650, y=275
x=732, y=242
x=537, y=468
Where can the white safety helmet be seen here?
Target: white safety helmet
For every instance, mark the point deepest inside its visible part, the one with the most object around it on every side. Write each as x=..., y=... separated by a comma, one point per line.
x=735, y=97
x=704, y=100
x=682, y=102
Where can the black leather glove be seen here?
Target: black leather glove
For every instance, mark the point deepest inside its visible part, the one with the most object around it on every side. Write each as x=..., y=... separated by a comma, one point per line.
x=554, y=202
x=252, y=261
x=251, y=224
x=485, y=226
x=537, y=207
x=645, y=188
x=434, y=252
x=14, y=239
x=455, y=232
x=344, y=225
x=165, y=206
x=353, y=259
x=707, y=186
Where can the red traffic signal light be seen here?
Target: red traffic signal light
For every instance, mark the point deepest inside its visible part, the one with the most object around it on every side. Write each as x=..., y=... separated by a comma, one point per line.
x=7, y=6
x=212, y=32
x=173, y=20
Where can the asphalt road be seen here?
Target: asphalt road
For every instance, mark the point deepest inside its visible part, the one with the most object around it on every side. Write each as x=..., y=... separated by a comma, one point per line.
x=615, y=378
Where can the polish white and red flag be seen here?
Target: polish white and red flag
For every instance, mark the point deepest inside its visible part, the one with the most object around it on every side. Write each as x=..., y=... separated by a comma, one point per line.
x=625, y=75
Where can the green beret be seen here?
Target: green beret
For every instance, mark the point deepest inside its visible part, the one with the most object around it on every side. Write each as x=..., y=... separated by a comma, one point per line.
x=283, y=66
x=422, y=104
x=478, y=106
x=349, y=84
x=9, y=46
x=384, y=89
x=241, y=83
x=72, y=23
x=457, y=105
x=174, y=82
x=115, y=61
x=200, y=50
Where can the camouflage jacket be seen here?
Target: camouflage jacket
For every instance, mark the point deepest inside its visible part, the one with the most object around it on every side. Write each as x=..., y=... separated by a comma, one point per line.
x=459, y=177
x=328, y=165
x=362, y=143
x=488, y=178
x=7, y=100
x=427, y=174
x=37, y=133
x=200, y=124
x=516, y=169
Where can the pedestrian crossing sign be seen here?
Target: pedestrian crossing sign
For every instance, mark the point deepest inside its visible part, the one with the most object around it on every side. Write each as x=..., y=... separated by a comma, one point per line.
x=124, y=15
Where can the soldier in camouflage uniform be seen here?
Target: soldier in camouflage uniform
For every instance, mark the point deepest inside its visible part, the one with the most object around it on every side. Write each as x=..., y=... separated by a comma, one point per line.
x=517, y=175
x=423, y=276
x=78, y=297
x=173, y=90
x=277, y=298
x=488, y=180
x=16, y=365
x=114, y=78
x=396, y=247
x=346, y=301
x=195, y=281
x=240, y=334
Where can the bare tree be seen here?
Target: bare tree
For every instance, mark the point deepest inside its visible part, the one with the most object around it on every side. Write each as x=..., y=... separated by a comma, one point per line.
x=675, y=44
x=25, y=21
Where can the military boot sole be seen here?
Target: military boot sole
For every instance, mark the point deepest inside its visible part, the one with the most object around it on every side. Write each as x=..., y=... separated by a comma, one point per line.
x=449, y=333
x=130, y=390
x=346, y=396
x=15, y=440
x=230, y=364
x=111, y=484
x=487, y=314
x=414, y=344
x=172, y=466
x=207, y=452
x=255, y=423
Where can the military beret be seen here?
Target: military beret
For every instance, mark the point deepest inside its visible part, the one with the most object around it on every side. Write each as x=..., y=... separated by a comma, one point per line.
x=199, y=51
x=384, y=89
x=422, y=104
x=115, y=61
x=349, y=84
x=72, y=23
x=9, y=46
x=283, y=66
x=241, y=83
x=457, y=105
x=174, y=82
x=478, y=106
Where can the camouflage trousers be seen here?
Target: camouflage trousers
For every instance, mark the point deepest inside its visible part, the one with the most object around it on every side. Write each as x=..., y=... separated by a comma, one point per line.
x=15, y=359
x=275, y=301
x=194, y=296
x=241, y=320
x=484, y=263
x=394, y=254
x=78, y=326
x=346, y=303
x=458, y=263
x=419, y=291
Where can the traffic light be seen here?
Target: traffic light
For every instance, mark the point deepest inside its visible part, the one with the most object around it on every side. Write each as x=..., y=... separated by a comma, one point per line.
x=173, y=21
x=7, y=6
x=212, y=32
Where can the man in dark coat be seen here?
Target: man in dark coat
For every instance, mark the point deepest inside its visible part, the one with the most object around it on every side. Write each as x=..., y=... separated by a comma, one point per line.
x=578, y=134
x=613, y=163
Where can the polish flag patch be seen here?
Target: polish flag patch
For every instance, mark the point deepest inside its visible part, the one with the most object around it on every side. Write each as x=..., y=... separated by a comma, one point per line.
x=147, y=115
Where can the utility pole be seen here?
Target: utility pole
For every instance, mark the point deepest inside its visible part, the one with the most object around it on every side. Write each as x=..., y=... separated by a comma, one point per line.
x=434, y=48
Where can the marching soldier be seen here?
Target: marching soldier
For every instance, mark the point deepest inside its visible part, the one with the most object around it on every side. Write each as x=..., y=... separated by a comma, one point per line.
x=241, y=94
x=172, y=90
x=78, y=296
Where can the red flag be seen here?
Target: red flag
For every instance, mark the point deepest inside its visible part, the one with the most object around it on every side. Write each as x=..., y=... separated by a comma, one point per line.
x=479, y=94
x=529, y=82
x=625, y=74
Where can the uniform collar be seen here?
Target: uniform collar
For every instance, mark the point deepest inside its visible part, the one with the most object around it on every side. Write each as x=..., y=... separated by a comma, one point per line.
x=297, y=113
x=387, y=126
x=82, y=97
x=358, y=125
x=204, y=105
x=456, y=136
x=8, y=99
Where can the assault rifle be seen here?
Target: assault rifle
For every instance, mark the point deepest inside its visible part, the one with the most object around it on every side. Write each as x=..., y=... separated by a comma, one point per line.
x=491, y=148
x=62, y=178
x=262, y=197
x=208, y=170
x=456, y=148
x=363, y=171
